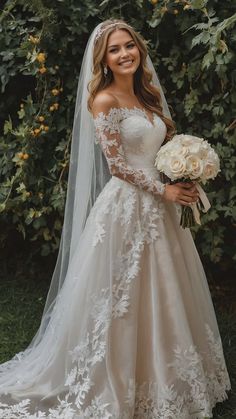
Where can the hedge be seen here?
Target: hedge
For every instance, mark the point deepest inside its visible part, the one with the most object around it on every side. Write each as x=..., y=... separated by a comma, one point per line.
x=192, y=44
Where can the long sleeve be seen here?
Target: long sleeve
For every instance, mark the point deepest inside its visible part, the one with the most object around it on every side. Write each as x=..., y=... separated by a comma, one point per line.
x=108, y=136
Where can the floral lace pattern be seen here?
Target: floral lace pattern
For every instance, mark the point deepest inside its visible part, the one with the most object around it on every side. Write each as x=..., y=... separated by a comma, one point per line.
x=108, y=135
x=203, y=390
x=146, y=400
x=193, y=389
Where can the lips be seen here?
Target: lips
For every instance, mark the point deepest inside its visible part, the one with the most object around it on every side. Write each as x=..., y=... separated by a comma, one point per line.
x=126, y=63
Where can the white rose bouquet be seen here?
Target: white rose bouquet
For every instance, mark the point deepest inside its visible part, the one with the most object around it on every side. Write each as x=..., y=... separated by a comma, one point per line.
x=186, y=158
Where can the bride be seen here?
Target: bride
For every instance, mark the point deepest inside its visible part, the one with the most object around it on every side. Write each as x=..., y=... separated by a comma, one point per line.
x=129, y=328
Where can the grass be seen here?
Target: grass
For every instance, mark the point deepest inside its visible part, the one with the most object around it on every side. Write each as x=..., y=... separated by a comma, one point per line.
x=21, y=306
x=22, y=303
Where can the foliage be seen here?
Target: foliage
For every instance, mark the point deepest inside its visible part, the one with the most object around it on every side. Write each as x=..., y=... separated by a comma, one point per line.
x=192, y=44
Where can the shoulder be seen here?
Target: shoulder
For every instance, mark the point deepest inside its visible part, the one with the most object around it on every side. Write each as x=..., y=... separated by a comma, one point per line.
x=103, y=102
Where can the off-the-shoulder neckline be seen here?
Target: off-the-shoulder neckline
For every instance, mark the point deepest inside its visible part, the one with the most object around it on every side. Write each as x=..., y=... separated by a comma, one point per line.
x=142, y=111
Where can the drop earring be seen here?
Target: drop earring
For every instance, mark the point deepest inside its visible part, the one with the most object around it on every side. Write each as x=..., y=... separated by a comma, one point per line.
x=105, y=70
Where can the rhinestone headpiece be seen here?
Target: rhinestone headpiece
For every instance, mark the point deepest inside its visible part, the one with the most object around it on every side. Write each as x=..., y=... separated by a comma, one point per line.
x=101, y=30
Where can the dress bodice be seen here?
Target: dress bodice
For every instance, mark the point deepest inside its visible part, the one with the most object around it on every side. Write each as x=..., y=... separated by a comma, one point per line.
x=130, y=142
x=141, y=138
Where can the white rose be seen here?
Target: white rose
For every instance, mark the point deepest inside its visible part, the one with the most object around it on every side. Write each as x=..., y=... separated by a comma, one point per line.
x=194, y=166
x=210, y=170
x=188, y=140
x=212, y=156
x=177, y=167
x=195, y=148
x=183, y=151
x=204, y=150
x=161, y=162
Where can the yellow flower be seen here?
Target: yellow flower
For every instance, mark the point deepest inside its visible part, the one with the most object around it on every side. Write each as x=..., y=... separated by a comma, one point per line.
x=52, y=108
x=46, y=128
x=36, y=131
x=41, y=57
x=42, y=70
x=176, y=11
x=222, y=46
x=41, y=127
x=55, y=92
x=25, y=156
x=34, y=39
x=164, y=9
x=56, y=105
x=154, y=2
x=41, y=118
x=27, y=194
x=20, y=155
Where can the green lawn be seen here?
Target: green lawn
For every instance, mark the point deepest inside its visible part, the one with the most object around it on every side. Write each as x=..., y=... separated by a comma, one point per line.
x=22, y=302
x=21, y=306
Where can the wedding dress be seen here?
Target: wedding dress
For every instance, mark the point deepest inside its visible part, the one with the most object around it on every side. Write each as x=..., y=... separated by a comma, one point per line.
x=148, y=345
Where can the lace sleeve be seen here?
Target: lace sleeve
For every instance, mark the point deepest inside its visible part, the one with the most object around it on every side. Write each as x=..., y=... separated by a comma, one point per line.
x=108, y=136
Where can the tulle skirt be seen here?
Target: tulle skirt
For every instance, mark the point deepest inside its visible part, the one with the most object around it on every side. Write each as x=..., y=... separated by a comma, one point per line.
x=133, y=333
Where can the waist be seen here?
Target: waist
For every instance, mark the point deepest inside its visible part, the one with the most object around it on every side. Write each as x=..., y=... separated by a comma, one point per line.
x=148, y=169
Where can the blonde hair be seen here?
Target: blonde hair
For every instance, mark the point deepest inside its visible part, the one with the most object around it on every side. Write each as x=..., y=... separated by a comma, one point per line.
x=147, y=93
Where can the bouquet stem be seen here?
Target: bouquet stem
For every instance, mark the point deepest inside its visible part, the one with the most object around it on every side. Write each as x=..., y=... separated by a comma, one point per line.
x=187, y=218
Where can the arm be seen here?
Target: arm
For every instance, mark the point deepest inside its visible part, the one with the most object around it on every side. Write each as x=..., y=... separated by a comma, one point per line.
x=106, y=120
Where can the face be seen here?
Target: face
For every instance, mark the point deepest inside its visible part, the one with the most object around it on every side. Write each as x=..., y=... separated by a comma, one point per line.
x=122, y=54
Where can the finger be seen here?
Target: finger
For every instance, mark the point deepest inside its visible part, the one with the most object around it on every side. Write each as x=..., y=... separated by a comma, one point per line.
x=189, y=199
x=188, y=196
x=188, y=204
x=188, y=186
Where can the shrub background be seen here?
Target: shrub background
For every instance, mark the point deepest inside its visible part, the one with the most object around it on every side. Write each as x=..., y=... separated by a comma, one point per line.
x=192, y=44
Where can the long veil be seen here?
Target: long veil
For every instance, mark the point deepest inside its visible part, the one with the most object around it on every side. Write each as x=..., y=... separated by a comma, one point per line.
x=88, y=174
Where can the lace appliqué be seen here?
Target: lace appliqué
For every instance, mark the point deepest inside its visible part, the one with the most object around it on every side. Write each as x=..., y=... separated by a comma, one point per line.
x=147, y=400
x=108, y=136
x=121, y=200
x=203, y=388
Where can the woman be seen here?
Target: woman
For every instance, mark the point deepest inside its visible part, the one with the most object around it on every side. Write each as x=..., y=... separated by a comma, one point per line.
x=131, y=332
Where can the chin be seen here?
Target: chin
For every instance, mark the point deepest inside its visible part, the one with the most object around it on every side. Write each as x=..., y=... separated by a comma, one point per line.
x=127, y=71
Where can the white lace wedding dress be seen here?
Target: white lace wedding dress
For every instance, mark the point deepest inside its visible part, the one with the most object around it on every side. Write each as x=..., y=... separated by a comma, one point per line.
x=133, y=333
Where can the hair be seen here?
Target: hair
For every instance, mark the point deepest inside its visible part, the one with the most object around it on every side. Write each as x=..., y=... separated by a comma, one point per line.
x=146, y=92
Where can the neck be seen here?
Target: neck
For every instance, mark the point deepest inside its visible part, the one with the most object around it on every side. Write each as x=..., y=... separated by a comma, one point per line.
x=124, y=85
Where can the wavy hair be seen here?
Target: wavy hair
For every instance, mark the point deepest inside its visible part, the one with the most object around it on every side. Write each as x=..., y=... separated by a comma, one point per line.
x=145, y=91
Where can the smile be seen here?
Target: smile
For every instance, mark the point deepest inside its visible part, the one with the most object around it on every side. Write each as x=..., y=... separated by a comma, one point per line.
x=126, y=63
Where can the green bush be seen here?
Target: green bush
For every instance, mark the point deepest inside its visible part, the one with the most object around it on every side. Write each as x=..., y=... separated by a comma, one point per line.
x=192, y=44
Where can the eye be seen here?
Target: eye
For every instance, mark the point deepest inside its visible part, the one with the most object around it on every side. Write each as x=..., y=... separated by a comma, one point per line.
x=131, y=45
x=113, y=50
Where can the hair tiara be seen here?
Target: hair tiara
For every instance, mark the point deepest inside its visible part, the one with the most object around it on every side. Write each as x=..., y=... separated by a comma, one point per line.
x=111, y=25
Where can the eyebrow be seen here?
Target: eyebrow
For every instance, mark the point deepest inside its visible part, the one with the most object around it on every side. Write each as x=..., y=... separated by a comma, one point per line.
x=112, y=46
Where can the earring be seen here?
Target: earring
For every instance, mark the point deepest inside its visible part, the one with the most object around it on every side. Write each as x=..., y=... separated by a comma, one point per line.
x=105, y=70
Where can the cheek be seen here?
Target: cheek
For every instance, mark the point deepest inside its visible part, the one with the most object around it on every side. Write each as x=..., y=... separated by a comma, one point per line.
x=110, y=59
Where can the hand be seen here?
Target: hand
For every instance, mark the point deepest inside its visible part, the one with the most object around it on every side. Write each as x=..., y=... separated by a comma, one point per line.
x=182, y=193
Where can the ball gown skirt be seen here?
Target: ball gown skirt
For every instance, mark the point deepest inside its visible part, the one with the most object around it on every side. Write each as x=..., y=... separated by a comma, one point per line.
x=133, y=333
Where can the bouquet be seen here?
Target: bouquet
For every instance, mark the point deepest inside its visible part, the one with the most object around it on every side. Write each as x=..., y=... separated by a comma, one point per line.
x=184, y=159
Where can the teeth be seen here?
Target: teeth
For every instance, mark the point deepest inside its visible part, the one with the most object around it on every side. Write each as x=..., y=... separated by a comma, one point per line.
x=126, y=62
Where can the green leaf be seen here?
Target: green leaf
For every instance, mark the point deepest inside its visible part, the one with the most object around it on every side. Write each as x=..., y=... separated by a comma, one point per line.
x=7, y=126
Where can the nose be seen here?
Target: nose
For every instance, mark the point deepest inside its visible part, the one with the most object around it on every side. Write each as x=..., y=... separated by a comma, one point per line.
x=124, y=52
